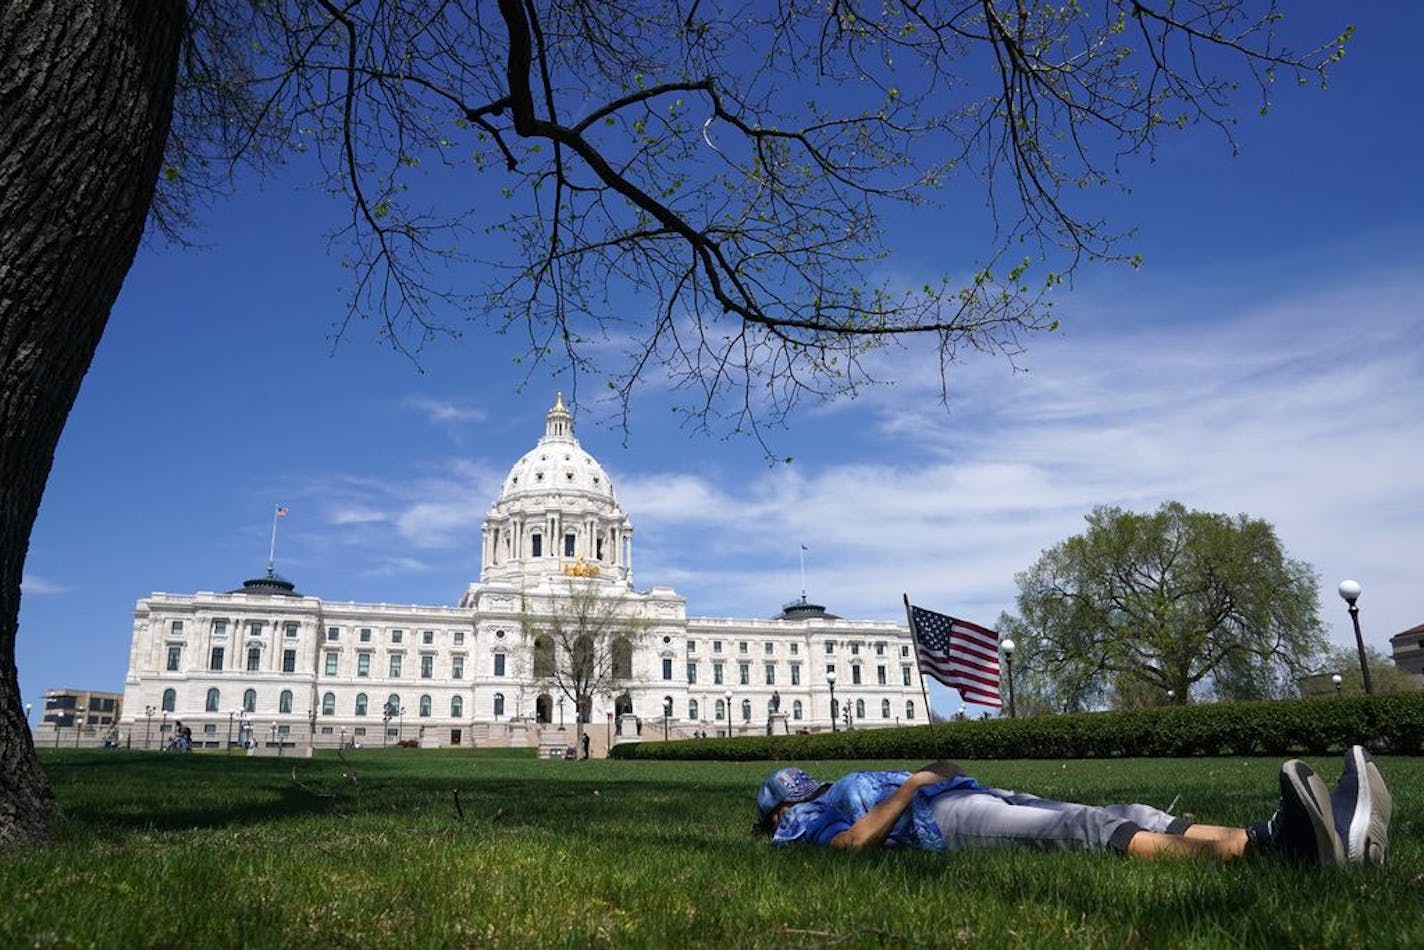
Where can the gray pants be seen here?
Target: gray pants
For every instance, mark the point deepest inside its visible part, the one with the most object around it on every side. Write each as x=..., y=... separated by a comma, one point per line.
x=995, y=818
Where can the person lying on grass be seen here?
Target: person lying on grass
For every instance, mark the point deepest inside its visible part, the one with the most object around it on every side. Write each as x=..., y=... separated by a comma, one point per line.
x=940, y=808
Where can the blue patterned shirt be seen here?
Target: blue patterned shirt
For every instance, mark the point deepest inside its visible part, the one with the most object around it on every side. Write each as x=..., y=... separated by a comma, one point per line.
x=845, y=802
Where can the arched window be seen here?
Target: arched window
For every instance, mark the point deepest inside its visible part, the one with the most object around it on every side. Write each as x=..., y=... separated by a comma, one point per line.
x=543, y=657
x=425, y=705
x=169, y=698
x=746, y=710
x=860, y=709
x=692, y=709
x=328, y=704
x=569, y=541
x=284, y=701
x=393, y=706
x=213, y=703
x=885, y=709
x=721, y=710
x=836, y=709
x=581, y=662
x=796, y=709
x=361, y=703
x=622, y=658
x=457, y=707
x=667, y=707
x=909, y=709
x=249, y=700
x=498, y=704
x=544, y=708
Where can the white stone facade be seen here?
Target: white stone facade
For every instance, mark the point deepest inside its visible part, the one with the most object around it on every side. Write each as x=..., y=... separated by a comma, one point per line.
x=267, y=666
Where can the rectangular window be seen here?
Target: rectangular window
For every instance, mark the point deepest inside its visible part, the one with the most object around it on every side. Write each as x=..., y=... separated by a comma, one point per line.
x=457, y=667
x=744, y=671
x=427, y=667
x=215, y=662
x=742, y=647
x=459, y=638
x=855, y=675
x=331, y=660
x=427, y=637
x=219, y=628
x=855, y=649
x=880, y=676
x=396, y=636
x=333, y=633
x=716, y=646
x=795, y=649
x=254, y=659
x=717, y=673
x=879, y=649
x=289, y=661
x=667, y=667
x=830, y=647
x=363, y=664
x=254, y=628
x=795, y=674
x=691, y=672
x=177, y=628
x=905, y=675
x=499, y=664
x=395, y=666
x=904, y=651
x=365, y=634
x=175, y=657
x=768, y=648
x=771, y=674
x=568, y=545
x=536, y=545
x=291, y=629
x=691, y=646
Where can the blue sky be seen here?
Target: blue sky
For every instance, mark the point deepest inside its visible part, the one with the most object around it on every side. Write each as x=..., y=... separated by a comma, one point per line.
x=1268, y=358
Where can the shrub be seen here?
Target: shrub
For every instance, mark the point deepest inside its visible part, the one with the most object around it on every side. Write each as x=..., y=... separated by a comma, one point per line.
x=1391, y=723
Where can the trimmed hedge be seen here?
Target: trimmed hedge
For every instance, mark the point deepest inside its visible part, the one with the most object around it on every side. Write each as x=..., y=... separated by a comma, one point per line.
x=1391, y=723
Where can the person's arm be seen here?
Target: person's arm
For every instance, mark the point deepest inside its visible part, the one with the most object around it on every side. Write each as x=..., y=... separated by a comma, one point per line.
x=872, y=828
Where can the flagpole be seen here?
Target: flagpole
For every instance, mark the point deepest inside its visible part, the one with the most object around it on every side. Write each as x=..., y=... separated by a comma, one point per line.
x=272, y=550
x=803, y=572
x=924, y=690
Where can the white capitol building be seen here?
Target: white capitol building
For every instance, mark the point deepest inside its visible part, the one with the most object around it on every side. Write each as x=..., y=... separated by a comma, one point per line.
x=283, y=669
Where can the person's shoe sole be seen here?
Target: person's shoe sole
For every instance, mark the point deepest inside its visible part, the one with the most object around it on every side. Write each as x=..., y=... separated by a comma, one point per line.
x=1314, y=799
x=1367, y=841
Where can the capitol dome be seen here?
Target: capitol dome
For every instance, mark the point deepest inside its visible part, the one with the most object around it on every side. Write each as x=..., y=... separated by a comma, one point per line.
x=556, y=514
x=557, y=464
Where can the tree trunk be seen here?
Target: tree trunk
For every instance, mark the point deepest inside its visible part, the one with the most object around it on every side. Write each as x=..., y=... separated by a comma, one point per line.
x=86, y=96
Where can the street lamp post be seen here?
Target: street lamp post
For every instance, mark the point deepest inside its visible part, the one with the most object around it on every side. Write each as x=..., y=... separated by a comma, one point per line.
x=1339, y=681
x=667, y=714
x=1350, y=592
x=1008, y=646
x=831, y=682
x=274, y=738
x=148, y=724
x=727, y=695
x=561, y=714
x=231, y=714
x=385, y=725
x=78, y=724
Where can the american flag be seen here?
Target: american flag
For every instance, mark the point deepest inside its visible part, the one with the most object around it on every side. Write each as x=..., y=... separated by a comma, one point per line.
x=960, y=654
x=283, y=511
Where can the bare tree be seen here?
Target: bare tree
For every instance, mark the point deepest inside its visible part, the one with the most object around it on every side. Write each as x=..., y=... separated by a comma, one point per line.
x=694, y=190
x=581, y=643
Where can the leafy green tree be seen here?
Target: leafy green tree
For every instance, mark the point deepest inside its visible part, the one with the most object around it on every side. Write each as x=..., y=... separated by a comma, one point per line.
x=692, y=191
x=1145, y=609
x=1344, y=661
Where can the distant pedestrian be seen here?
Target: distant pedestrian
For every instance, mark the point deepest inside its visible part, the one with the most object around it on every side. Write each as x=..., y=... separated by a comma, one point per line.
x=585, y=745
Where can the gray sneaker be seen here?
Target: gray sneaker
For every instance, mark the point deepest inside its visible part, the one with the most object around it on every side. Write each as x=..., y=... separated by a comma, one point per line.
x=1363, y=807
x=1306, y=820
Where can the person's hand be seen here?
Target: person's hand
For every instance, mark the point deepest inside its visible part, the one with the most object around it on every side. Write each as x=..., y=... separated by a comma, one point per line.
x=936, y=772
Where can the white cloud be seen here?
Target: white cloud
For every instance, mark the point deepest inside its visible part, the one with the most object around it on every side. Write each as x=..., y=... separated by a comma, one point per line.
x=39, y=586
x=444, y=411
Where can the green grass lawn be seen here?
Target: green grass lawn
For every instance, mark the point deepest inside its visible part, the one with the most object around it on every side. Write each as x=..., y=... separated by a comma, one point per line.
x=209, y=850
